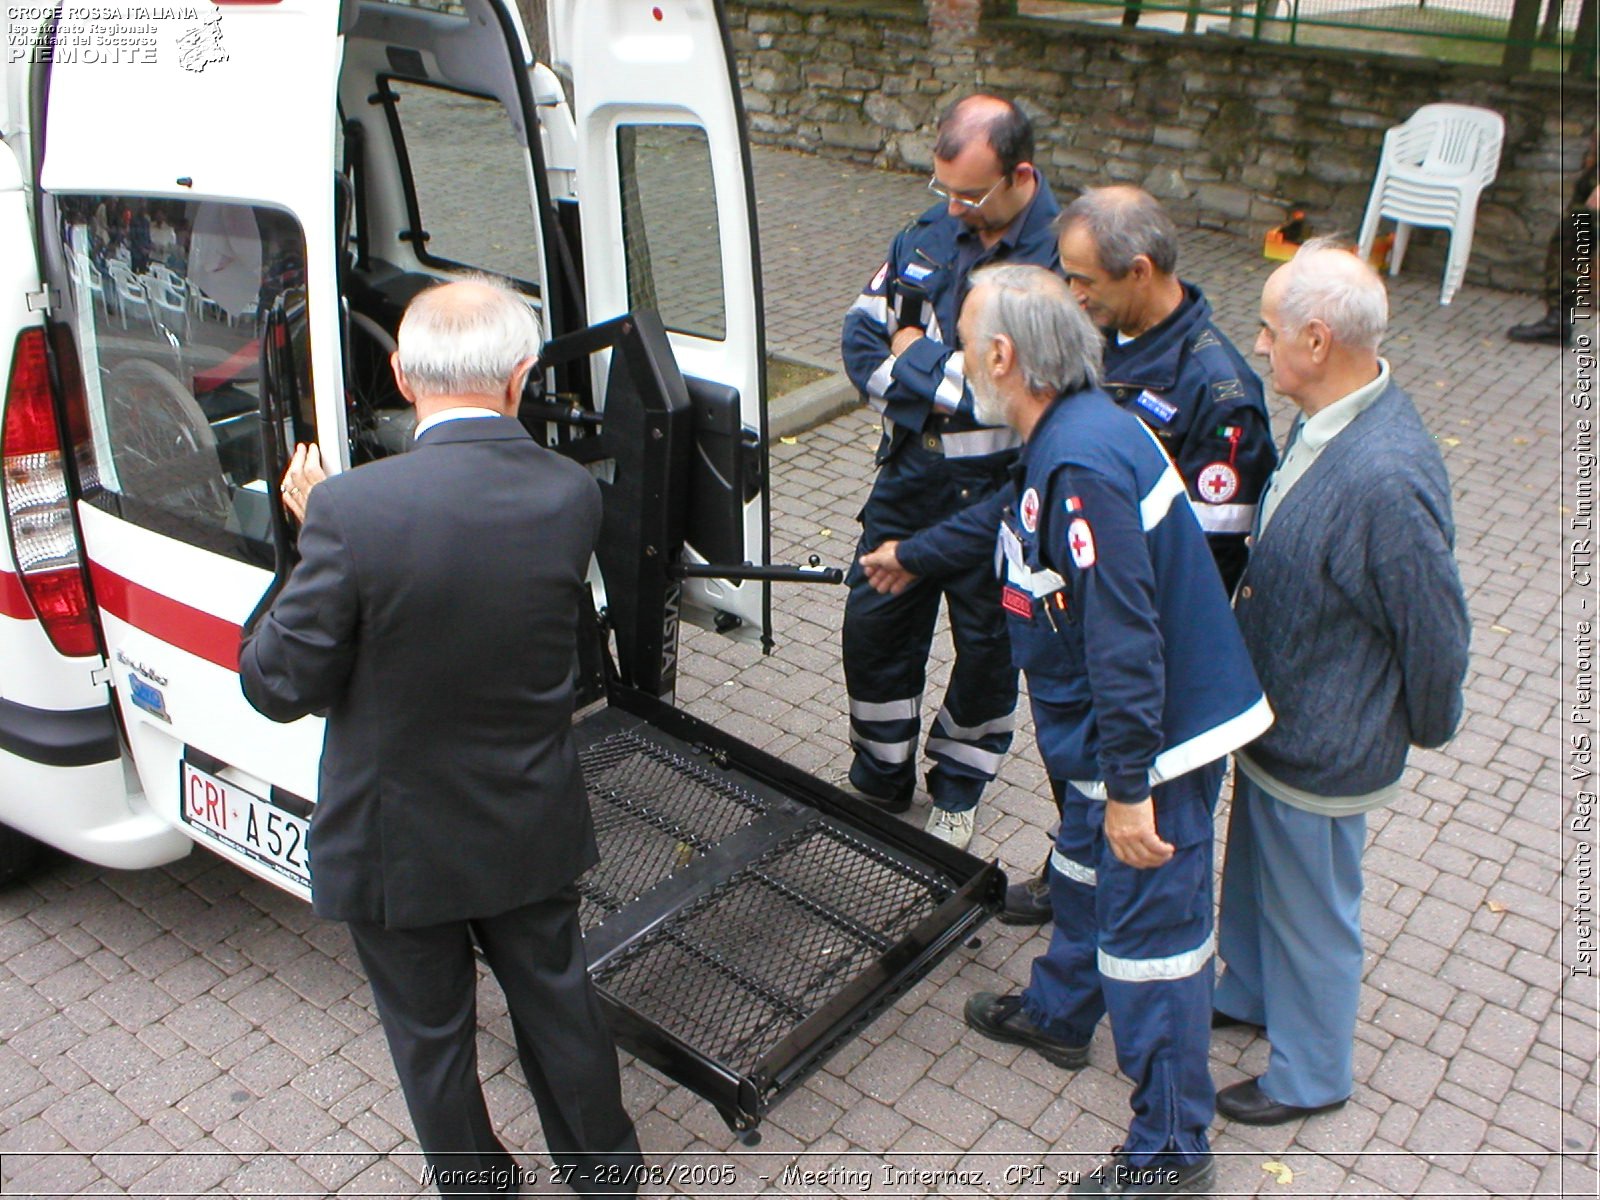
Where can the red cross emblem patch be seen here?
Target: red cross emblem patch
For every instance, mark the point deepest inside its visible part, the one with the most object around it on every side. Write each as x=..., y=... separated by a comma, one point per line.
x=1080, y=540
x=1217, y=483
x=1028, y=510
x=877, y=280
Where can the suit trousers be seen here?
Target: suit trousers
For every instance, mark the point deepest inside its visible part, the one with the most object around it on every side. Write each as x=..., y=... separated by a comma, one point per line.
x=424, y=983
x=1289, y=934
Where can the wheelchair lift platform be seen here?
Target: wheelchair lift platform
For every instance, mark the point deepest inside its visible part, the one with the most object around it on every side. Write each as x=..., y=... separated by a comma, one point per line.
x=745, y=919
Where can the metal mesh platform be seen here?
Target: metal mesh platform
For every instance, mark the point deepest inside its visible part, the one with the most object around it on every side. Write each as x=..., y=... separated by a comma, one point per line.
x=654, y=812
x=745, y=920
x=735, y=972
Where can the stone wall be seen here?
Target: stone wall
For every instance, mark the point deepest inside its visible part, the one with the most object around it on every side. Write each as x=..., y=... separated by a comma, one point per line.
x=1227, y=133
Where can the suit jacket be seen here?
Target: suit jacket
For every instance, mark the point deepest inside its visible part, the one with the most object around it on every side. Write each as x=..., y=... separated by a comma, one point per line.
x=433, y=616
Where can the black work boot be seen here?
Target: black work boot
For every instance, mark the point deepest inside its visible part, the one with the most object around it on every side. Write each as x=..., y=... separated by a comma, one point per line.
x=1001, y=1018
x=1119, y=1177
x=1554, y=327
x=1028, y=902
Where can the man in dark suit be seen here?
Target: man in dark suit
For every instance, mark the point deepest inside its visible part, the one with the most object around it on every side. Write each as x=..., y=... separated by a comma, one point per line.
x=433, y=617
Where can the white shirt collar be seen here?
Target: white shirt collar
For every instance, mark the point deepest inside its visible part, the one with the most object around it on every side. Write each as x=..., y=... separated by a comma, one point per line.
x=1328, y=423
x=464, y=413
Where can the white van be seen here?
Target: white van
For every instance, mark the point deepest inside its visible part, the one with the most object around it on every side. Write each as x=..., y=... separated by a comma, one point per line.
x=211, y=217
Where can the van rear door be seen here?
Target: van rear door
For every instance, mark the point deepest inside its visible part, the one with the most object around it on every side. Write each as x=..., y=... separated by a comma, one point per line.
x=667, y=211
x=188, y=231
x=61, y=773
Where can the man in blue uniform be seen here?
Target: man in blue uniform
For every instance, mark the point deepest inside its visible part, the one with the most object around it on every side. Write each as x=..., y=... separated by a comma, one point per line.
x=1168, y=364
x=1140, y=685
x=901, y=348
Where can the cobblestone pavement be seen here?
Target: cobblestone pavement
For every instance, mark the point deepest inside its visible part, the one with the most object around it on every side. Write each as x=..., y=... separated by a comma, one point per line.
x=190, y=1030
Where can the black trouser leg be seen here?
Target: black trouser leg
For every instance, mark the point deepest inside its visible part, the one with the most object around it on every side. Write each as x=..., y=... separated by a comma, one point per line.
x=566, y=1049
x=424, y=983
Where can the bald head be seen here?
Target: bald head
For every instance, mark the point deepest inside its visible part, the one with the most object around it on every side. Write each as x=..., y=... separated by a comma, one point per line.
x=1323, y=314
x=1328, y=282
x=996, y=123
x=465, y=339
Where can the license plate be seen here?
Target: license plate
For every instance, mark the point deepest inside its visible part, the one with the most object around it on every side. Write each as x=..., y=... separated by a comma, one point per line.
x=246, y=824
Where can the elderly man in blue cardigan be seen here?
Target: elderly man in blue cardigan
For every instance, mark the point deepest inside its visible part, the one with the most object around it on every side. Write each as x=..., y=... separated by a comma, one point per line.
x=1354, y=616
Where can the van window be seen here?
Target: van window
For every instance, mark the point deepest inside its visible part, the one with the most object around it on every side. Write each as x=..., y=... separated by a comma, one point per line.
x=468, y=186
x=171, y=300
x=669, y=227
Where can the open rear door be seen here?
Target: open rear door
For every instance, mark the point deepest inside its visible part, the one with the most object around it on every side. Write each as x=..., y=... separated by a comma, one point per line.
x=188, y=237
x=667, y=213
x=61, y=777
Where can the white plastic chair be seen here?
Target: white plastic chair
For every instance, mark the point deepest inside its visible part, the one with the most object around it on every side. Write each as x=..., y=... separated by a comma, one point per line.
x=1433, y=169
x=166, y=275
x=129, y=291
x=86, y=282
x=167, y=297
x=201, y=304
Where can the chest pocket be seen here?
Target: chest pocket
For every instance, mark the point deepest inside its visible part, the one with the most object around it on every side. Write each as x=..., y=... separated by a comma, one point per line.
x=1048, y=641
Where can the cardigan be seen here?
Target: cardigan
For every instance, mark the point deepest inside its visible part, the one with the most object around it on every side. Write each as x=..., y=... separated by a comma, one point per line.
x=1353, y=611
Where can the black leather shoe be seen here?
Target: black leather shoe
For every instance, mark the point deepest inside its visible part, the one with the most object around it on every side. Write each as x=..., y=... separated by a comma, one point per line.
x=1002, y=1018
x=897, y=803
x=1120, y=1178
x=1553, y=327
x=1028, y=902
x=1222, y=1020
x=1249, y=1105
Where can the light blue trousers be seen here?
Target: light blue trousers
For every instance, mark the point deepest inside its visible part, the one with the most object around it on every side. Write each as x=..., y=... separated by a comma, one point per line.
x=1289, y=933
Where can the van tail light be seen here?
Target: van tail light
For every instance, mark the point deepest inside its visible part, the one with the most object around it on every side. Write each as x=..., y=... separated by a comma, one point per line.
x=38, y=508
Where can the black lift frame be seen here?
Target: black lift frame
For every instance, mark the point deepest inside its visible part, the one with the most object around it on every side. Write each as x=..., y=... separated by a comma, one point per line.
x=746, y=919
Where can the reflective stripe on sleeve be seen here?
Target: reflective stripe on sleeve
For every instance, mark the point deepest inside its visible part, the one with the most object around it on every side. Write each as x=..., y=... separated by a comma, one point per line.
x=876, y=307
x=1154, y=507
x=947, y=397
x=1155, y=970
x=1225, y=518
x=1199, y=750
x=878, y=383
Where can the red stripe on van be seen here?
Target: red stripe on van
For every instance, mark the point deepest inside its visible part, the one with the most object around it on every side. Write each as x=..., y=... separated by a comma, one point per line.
x=163, y=618
x=13, y=600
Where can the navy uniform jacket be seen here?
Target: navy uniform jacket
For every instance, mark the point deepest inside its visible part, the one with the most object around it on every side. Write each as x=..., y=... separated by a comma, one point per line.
x=923, y=283
x=1135, y=665
x=1196, y=392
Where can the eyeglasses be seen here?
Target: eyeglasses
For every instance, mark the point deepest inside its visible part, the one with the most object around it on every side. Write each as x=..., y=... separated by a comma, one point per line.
x=953, y=198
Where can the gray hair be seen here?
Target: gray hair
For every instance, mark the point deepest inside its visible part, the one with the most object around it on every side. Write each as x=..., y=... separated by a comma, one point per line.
x=465, y=337
x=1058, y=348
x=1327, y=280
x=1123, y=223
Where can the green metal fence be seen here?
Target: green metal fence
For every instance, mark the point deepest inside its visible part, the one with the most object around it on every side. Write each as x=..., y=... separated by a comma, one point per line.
x=1520, y=35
